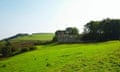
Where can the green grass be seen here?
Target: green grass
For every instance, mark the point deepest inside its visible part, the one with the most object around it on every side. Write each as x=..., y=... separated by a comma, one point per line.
x=40, y=36
x=92, y=57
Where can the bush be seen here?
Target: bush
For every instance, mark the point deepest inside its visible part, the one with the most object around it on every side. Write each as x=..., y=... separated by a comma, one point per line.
x=32, y=48
x=28, y=48
x=6, y=51
x=25, y=49
x=11, y=48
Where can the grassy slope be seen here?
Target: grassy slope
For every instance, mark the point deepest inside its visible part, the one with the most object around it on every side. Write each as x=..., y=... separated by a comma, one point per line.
x=99, y=57
x=42, y=36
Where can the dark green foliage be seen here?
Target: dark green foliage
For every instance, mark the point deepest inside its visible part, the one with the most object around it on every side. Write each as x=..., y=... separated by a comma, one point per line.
x=24, y=49
x=32, y=48
x=69, y=31
x=10, y=48
x=72, y=31
x=107, y=29
x=27, y=49
x=6, y=51
x=54, y=39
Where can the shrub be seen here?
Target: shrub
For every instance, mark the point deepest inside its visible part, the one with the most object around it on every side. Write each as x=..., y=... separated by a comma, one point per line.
x=24, y=49
x=32, y=48
x=6, y=51
x=11, y=48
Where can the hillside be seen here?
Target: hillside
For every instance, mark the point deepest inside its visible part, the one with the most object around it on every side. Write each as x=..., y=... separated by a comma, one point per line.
x=23, y=42
x=91, y=57
x=36, y=36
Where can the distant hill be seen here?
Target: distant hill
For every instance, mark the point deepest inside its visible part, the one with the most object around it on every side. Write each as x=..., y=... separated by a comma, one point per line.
x=35, y=36
x=16, y=36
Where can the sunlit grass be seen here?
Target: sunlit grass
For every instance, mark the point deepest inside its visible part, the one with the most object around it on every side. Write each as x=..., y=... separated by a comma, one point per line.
x=42, y=37
x=93, y=57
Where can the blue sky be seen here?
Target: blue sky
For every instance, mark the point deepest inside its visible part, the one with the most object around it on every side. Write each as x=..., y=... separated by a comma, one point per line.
x=29, y=16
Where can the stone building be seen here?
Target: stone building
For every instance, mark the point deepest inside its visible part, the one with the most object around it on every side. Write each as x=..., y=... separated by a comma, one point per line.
x=65, y=36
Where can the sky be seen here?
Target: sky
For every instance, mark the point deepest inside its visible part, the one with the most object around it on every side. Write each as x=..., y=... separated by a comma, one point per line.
x=33, y=16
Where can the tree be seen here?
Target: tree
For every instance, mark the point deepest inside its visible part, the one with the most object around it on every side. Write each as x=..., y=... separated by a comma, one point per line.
x=111, y=29
x=72, y=31
x=7, y=49
x=91, y=30
x=107, y=29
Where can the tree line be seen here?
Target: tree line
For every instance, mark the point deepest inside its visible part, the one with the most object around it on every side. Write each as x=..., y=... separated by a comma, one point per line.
x=104, y=30
x=107, y=29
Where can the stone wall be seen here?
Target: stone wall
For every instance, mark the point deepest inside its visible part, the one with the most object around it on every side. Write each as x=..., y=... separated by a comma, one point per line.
x=68, y=38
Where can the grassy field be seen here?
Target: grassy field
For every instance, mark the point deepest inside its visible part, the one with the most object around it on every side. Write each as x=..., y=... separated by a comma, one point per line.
x=39, y=36
x=97, y=57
